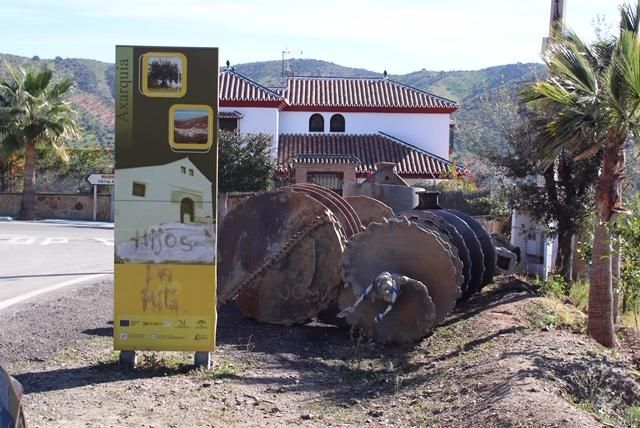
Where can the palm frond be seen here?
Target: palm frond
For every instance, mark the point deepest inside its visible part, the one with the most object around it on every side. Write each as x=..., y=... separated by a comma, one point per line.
x=61, y=88
x=34, y=108
x=627, y=69
x=630, y=18
x=571, y=68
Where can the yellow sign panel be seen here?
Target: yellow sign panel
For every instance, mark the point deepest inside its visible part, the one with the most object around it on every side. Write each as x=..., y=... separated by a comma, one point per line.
x=161, y=307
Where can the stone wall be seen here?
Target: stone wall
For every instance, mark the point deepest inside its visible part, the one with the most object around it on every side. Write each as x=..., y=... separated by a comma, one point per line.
x=71, y=206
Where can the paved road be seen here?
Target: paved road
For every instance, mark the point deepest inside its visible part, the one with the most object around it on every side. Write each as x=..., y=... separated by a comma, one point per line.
x=39, y=256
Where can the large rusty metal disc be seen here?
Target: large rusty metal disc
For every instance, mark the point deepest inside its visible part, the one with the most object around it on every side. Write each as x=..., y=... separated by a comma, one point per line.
x=447, y=244
x=453, y=235
x=369, y=210
x=473, y=244
x=411, y=318
x=402, y=247
x=303, y=282
x=488, y=250
x=286, y=242
x=335, y=203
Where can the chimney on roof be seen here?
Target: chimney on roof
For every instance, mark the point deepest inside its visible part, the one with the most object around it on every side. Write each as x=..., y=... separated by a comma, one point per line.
x=385, y=74
x=228, y=64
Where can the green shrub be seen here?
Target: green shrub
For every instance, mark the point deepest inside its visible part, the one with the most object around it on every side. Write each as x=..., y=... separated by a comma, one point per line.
x=554, y=286
x=579, y=295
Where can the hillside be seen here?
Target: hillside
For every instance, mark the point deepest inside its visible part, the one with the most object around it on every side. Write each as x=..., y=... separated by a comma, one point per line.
x=94, y=97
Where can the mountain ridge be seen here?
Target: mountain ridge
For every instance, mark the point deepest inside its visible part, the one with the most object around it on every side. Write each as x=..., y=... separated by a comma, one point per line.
x=95, y=92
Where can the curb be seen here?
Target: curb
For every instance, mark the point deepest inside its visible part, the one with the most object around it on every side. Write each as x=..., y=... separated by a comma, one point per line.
x=77, y=223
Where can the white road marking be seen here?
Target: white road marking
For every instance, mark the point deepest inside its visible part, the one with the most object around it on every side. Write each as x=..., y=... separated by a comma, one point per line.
x=29, y=240
x=49, y=241
x=21, y=240
x=107, y=242
x=6, y=303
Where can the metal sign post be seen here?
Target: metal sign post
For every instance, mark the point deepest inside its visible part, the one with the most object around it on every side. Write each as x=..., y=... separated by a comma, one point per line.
x=103, y=180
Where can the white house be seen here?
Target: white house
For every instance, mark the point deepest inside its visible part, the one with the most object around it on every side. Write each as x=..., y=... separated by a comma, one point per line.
x=334, y=125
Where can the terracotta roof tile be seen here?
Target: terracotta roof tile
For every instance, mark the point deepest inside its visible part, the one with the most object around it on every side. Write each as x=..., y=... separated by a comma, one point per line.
x=316, y=158
x=376, y=94
x=235, y=89
x=369, y=149
x=229, y=114
x=331, y=94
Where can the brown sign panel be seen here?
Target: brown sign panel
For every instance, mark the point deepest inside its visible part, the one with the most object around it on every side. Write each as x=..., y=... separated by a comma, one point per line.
x=165, y=196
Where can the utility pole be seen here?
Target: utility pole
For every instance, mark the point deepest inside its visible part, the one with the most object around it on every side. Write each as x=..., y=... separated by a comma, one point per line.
x=558, y=8
x=556, y=18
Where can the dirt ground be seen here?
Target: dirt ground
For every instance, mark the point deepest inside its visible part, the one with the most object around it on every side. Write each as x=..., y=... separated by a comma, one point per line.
x=505, y=358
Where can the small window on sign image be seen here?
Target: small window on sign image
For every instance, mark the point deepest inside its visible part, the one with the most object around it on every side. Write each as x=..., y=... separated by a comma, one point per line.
x=164, y=74
x=191, y=128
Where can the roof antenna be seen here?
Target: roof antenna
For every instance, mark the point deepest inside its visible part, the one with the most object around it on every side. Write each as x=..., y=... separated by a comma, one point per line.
x=286, y=67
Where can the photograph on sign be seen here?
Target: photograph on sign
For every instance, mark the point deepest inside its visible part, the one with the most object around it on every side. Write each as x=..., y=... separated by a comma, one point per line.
x=190, y=127
x=180, y=224
x=164, y=74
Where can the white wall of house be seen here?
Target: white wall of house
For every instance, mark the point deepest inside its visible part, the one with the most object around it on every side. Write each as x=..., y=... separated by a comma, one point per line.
x=430, y=131
x=165, y=187
x=538, y=252
x=258, y=120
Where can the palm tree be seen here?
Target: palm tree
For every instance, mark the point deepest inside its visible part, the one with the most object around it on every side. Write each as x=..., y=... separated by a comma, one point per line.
x=595, y=92
x=33, y=111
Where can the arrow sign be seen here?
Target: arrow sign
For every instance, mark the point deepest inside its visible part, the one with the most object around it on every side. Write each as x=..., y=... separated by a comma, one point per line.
x=102, y=179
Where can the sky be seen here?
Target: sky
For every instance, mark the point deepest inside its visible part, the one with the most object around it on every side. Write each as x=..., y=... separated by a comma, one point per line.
x=399, y=36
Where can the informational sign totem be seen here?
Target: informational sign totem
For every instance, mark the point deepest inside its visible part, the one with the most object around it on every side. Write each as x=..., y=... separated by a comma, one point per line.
x=165, y=198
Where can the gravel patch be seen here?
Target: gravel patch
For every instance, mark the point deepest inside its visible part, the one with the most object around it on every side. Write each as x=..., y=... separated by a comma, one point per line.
x=487, y=365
